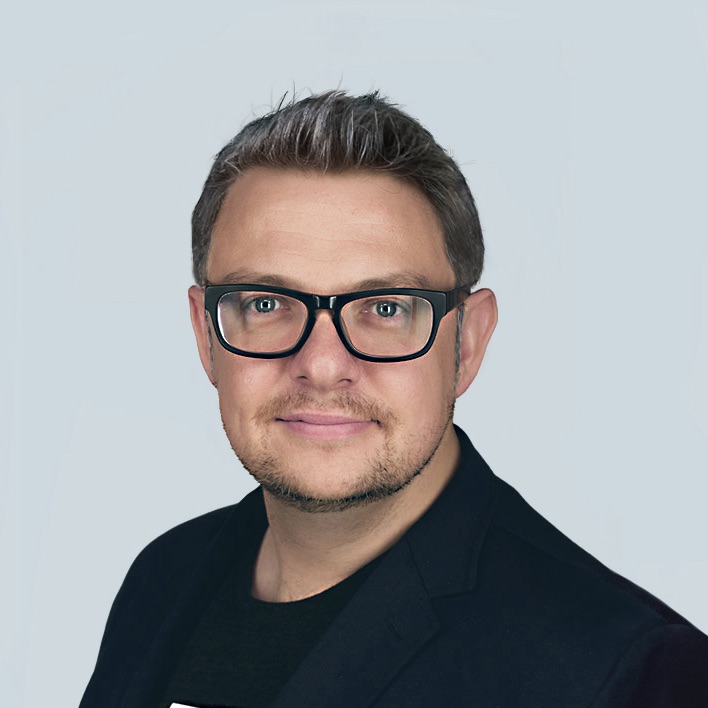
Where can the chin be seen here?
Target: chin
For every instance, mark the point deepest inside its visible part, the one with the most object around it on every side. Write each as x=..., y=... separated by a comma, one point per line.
x=379, y=479
x=312, y=501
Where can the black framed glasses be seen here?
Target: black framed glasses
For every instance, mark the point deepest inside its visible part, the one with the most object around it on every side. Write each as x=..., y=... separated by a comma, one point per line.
x=269, y=322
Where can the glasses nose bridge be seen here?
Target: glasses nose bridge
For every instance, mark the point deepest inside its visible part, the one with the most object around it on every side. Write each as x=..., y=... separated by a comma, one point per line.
x=328, y=303
x=325, y=302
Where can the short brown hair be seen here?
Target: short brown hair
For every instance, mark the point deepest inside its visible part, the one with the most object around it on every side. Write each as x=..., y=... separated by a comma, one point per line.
x=335, y=132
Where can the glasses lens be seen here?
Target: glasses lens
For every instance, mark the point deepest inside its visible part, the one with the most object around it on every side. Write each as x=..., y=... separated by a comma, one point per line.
x=388, y=325
x=261, y=322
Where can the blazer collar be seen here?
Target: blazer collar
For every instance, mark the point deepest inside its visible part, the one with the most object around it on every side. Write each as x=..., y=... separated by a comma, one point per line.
x=446, y=541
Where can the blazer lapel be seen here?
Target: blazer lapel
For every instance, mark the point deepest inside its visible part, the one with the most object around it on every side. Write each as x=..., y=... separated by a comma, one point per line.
x=388, y=620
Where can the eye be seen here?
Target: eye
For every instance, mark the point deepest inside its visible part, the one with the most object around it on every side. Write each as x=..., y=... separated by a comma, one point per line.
x=263, y=304
x=386, y=309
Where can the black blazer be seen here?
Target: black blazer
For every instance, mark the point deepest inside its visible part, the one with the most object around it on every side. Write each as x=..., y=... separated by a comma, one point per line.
x=482, y=603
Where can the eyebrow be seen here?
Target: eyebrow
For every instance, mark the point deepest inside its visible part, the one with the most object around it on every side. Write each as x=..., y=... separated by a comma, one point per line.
x=396, y=279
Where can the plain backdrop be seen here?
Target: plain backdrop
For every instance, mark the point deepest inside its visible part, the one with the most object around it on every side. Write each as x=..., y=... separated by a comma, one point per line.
x=581, y=128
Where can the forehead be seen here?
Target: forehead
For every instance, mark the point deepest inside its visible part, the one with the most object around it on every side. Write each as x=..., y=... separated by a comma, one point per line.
x=327, y=232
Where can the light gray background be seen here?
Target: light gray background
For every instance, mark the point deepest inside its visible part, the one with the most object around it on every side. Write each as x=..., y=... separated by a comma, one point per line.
x=582, y=131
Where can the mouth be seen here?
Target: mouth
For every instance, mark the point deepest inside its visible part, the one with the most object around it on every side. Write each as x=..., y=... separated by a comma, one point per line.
x=324, y=426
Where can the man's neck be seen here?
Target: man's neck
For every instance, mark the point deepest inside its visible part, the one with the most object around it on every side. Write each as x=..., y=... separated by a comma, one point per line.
x=305, y=553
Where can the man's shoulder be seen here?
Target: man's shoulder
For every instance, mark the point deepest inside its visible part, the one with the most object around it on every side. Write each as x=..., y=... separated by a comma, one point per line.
x=173, y=553
x=542, y=615
x=627, y=644
x=524, y=556
x=169, y=578
x=191, y=536
x=527, y=546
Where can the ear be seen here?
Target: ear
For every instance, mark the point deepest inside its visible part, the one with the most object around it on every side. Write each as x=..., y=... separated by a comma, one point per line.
x=478, y=323
x=201, y=325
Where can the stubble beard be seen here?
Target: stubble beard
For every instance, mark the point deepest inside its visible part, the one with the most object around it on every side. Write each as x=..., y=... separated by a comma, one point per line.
x=393, y=467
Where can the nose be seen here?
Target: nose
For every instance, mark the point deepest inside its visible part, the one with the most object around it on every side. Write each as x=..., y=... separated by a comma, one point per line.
x=323, y=362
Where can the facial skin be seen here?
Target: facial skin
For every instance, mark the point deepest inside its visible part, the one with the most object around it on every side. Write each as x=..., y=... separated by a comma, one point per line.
x=322, y=429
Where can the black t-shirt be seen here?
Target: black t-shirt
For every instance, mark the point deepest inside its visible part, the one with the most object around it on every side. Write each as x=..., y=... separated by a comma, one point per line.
x=243, y=650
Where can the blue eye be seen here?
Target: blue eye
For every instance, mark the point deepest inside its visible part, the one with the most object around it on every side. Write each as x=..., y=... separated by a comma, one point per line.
x=265, y=304
x=386, y=309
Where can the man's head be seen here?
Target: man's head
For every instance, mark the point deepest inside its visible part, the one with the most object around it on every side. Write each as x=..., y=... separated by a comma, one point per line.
x=337, y=195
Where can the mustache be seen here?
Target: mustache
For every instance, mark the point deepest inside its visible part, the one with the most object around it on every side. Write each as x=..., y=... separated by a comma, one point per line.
x=344, y=402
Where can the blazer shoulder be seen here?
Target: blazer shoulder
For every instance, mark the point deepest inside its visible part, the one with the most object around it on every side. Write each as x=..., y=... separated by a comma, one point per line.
x=157, y=574
x=176, y=545
x=541, y=540
x=186, y=559
x=182, y=545
x=665, y=667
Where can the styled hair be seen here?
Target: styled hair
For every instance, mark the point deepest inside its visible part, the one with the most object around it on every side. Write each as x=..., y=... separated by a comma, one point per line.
x=333, y=132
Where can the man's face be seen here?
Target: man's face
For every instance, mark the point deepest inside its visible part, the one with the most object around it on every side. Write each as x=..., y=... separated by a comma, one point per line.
x=321, y=427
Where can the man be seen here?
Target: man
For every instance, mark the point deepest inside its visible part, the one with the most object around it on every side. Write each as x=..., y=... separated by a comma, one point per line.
x=380, y=562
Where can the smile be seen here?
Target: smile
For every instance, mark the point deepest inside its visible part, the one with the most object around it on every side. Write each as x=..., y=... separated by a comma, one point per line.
x=323, y=426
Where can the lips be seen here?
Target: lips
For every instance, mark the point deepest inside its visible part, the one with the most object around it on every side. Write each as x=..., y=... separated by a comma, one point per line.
x=320, y=419
x=324, y=425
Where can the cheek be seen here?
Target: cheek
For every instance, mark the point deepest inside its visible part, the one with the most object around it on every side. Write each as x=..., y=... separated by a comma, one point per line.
x=418, y=390
x=244, y=384
x=437, y=376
